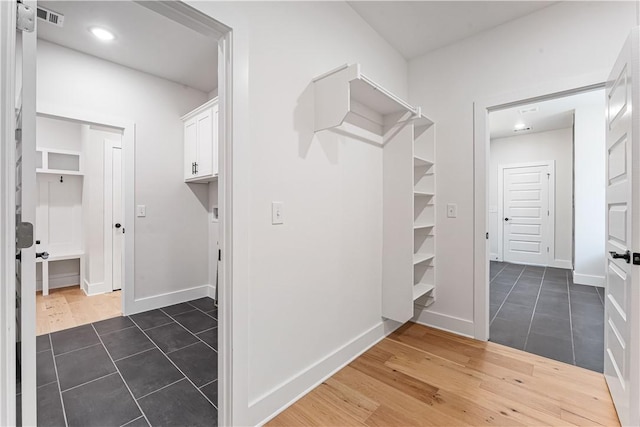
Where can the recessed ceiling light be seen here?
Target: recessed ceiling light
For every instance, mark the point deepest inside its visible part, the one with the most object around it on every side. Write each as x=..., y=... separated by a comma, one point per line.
x=102, y=34
x=519, y=126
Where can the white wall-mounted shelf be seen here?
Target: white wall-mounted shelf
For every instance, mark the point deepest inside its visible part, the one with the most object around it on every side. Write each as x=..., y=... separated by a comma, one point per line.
x=421, y=289
x=349, y=102
x=59, y=162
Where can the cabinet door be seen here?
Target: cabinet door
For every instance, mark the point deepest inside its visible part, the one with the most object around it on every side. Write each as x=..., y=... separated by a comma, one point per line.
x=204, y=122
x=214, y=142
x=190, y=148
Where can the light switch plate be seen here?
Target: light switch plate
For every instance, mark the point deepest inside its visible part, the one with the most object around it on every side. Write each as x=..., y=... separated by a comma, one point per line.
x=452, y=210
x=141, y=211
x=277, y=213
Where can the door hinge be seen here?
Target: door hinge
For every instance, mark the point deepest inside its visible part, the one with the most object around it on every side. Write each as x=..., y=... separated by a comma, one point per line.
x=24, y=235
x=487, y=235
x=219, y=255
x=18, y=134
x=547, y=249
x=547, y=213
x=25, y=18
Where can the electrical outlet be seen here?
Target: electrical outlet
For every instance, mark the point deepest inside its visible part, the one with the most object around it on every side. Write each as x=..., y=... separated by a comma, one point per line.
x=452, y=210
x=277, y=213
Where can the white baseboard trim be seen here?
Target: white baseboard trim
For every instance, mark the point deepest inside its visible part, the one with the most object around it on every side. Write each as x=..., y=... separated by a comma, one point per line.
x=170, y=298
x=97, y=288
x=494, y=257
x=60, y=281
x=561, y=263
x=444, y=322
x=211, y=291
x=588, y=279
x=269, y=405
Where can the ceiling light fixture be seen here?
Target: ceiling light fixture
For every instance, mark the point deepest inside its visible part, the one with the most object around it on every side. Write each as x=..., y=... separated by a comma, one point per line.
x=102, y=34
x=520, y=126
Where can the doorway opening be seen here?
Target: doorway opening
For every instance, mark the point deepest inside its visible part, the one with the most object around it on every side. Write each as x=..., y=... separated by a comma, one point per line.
x=79, y=235
x=546, y=204
x=133, y=95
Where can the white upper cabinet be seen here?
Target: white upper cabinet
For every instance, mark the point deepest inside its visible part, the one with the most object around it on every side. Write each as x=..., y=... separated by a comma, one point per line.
x=201, y=143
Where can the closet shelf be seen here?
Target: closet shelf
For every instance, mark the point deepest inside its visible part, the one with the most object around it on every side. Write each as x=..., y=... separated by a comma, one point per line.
x=61, y=256
x=421, y=289
x=349, y=102
x=59, y=172
x=419, y=258
x=423, y=193
x=421, y=162
x=421, y=226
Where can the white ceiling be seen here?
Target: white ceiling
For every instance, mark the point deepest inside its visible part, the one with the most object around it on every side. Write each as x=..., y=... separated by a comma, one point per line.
x=550, y=115
x=145, y=40
x=417, y=27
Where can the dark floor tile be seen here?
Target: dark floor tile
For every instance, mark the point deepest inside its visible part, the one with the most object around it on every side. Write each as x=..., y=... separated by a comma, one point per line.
x=113, y=325
x=582, y=309
x=560, y=288
x=586, y=298
x=204, y=304
x=196, y=321
x=147, y=372
x=590, y=353
x=126, y=342
x=583, y=288
x=508, y=333
x=105, y=402
x=179, y=405
x=528, y=290
x=211, y=391
x=532, y=275
x=150, y=319
x=522, y=298
x=183, y=307
x=550, y=281
x=73, y=339
x=50, y=406
x=210, y=337
x=45, y=369
x=198, y=362
x=171, y=337
x=497, y=296
x=554, y=304
x=138, y=422
x=516, y=313
x=43, y=343
x=551, y=347
x=502, y=287
x=529, y=281
x=84, y=365
x=590, y=327
x=213, y=313
x=551, y=326
x=493, y=309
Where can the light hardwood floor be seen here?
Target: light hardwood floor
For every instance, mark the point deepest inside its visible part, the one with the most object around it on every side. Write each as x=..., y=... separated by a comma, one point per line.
x=420, y=376
x=65, y=308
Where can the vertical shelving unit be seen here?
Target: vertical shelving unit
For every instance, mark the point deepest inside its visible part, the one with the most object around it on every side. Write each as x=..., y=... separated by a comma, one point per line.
x=349, y=103
x=424, y=214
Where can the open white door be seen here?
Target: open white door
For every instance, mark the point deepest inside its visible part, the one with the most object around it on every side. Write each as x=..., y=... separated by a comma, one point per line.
x=622, y=305
x=18, y=64
x=525, y=212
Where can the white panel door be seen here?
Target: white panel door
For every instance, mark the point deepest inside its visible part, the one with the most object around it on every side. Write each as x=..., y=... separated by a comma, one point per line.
x=622, y=304
x=114, y=215
x=526, y=214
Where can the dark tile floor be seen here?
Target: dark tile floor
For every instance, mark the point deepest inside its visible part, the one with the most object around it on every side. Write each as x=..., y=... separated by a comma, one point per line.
x=540, y=310
x=155, y=368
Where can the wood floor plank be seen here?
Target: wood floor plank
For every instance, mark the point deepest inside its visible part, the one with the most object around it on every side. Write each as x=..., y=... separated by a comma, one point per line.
x=422, y=376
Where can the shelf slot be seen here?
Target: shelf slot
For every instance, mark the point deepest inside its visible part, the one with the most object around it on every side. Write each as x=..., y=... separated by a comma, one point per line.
x=421, y=162
x=421, y=289
x=420, y=258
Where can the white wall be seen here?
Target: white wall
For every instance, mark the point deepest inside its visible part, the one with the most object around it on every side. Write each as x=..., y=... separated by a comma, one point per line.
x=565, y=41
x=556, y=145
x=58, y=134
x=214, y=233
x=590, y=206
x=169, y=256
x=306, y=293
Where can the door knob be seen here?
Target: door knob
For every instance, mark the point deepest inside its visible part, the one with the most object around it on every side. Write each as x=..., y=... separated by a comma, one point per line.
x=506, y=219
x=118, y=225
x=625, y=256
x=43, y=255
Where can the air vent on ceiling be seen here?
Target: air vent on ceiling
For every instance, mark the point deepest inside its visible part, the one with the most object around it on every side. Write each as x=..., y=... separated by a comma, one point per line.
x=524, y=129
x=526, y=110
x=50, y=16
